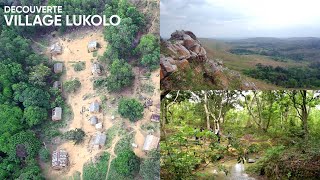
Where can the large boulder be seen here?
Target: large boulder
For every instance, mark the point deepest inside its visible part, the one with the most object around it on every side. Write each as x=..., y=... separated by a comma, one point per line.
x=167, y=66
x=183, y=64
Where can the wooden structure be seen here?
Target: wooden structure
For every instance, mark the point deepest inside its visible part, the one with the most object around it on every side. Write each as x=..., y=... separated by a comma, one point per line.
x=94, y=107
x=96, y=69
x=99, y=140
x=151, y=142
x=93, y=120
x=59, y=159
x=92, y=46
x=155, y=118
x=55, y=49
x=56, y=114
x=57, y=68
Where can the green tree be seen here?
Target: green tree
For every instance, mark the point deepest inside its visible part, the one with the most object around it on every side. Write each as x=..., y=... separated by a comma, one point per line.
x=76, y=135
x=39, y=75
x=126, y=163
x=150, y=51
x=35, y=115
x=150, y=166
x=130, y=108
x=72, y=85
x=44, y=154
x=121, y=75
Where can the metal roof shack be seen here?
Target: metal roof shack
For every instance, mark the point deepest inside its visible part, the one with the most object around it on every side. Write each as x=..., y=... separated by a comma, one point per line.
x=99, y=140
x=96, y=69
x=151, y=142
x=94, y=107
x=55, y=49
x=92, y=46
x=57, y=68
x=93, y=120
x=56, y=114
x=155, y=118
x=148, y=103
x=59, y=159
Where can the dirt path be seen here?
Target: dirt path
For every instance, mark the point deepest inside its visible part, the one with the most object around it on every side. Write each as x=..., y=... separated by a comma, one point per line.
x=111, y=152
x=75, y=50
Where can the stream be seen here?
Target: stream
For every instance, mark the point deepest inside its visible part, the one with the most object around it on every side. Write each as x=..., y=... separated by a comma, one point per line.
x=236, y=171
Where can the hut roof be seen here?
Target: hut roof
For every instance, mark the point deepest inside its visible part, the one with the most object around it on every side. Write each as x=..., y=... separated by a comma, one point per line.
x=92, y=44
x=56, y=113
x=59, y=158
x=151, y=142
x=100, y=139
x=155, y=117
x=99, y=125
x=55, y=48
x=57, y=67
x=96, y=68
x=148, y=102
x=93, y=120
x=94, y=107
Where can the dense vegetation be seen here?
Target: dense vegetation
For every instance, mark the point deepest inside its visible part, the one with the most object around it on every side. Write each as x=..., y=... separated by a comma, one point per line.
x=130, y=108
x=276, y=130
x=25, y=102
x=292, y=77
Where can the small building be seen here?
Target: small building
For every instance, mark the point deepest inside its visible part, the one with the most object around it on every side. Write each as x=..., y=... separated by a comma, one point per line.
x=58, y=68
x=93, y=120
x=92, y=46
x=151, y=142
x=99, y=140
x=55, y=49
x=56, y=114
x=57, y=85
x=96, y=69
x=59, y=159
x=94, y=107
x=99, y=126
x=155, y=118
x=148, y=103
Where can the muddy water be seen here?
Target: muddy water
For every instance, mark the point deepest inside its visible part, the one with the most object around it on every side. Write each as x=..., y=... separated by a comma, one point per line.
x=236, y=171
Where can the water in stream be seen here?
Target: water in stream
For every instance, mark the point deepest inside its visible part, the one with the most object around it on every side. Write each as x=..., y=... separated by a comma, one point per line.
x=236, y=171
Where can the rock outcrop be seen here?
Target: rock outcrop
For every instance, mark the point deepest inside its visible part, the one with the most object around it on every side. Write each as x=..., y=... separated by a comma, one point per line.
x=183, y=49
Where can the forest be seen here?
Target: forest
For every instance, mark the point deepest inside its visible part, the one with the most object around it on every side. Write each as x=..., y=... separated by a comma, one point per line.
x=26, y=78
x=240, y=134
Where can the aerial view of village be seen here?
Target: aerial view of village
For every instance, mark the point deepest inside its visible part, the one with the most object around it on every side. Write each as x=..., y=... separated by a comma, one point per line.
x=82, y=103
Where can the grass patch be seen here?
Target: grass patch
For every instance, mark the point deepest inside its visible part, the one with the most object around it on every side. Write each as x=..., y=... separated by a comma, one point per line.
x=95, y=54
x=147, y=88
x=79, y=66
x=96, y=171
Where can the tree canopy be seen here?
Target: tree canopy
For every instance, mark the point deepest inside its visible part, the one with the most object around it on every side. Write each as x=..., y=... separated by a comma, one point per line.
x=130, y=108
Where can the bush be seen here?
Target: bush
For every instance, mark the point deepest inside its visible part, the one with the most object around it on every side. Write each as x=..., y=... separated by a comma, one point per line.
x=130, y=108
x=72, y=85
x=76, y=135
x=79, y=66
x=126, y=163
x=44, y=154
x=96, y=171
x=150, y=167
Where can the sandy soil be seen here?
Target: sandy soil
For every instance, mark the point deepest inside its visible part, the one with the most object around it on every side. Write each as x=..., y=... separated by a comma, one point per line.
x=74, y=50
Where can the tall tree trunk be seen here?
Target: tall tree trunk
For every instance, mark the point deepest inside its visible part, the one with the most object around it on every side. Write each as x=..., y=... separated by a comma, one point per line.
x=205, y=104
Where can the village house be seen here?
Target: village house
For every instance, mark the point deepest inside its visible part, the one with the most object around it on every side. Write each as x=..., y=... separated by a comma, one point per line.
x=96, y=69
x=99, y=140
x=57, y=68
x=94, y=107
x=151, y=142
x=92, y=46
x=56, y=114
x=155, y=118
x=57, y=85
x=93, y=120
x=99, y=126
x=55, y=49
x=59, y=159
x=148, y=103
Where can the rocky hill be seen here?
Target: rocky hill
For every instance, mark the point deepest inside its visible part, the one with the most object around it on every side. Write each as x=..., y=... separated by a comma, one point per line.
x=185, y=65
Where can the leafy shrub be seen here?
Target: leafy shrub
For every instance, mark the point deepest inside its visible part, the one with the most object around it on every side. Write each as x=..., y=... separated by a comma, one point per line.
x=126, y=163
x=72, y=85
x=79, y=66
x=76, y=135
x=130, y=108
x=96, y=171
x=44, y=154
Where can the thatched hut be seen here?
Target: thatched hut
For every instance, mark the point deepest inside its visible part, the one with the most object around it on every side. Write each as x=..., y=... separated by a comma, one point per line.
x=151, y=142
x=92, y=46
x=57, y=68
x=55, y=49
x=56, y=114
x=59, y=159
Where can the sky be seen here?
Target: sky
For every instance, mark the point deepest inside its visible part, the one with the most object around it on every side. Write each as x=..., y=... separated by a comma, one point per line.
x=241, y=18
